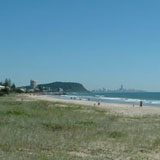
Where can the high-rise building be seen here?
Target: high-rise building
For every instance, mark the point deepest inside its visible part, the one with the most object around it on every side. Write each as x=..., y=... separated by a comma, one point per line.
x=33, y=84
x=121, y=88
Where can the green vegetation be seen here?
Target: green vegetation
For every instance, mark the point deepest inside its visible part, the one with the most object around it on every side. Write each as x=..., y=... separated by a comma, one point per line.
x=7, y=91
x=66, y=86
x=8, y=87
x=51, y=130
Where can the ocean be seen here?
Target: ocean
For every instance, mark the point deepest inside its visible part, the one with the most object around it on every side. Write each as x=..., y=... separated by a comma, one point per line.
x=148, y=98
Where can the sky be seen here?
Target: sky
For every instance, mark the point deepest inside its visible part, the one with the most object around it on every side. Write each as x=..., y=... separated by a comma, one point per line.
x=99, y=43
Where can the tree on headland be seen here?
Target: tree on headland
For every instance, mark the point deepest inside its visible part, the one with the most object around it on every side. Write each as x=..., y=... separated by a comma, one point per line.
x=40, y=88
x=7, y=83
x=13, y=86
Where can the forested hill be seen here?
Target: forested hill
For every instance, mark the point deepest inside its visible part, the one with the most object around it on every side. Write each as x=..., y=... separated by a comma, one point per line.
x=66, y=86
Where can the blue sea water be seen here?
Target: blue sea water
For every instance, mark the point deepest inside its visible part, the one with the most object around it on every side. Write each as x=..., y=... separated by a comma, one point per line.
x=148, y=98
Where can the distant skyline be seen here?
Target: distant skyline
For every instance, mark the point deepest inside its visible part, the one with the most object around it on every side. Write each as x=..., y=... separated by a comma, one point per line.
x=99, y=43
x=120, y=89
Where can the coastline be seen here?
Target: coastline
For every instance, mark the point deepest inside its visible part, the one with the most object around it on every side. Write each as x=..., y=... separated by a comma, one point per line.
x=117, y=108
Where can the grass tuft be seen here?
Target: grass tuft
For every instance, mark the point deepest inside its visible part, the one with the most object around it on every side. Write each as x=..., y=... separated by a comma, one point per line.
x=85, y=123
x=116, y=134
x=156, y=142
x=16, y=113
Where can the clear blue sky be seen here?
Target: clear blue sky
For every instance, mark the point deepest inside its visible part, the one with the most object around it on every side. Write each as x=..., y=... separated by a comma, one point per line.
x=100, y=43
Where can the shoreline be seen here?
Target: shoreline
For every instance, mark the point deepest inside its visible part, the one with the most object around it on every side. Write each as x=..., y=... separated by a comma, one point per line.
x=117, y=108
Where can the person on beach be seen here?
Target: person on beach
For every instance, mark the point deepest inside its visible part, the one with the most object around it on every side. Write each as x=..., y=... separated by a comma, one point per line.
x=99, y=103
x=141, y=103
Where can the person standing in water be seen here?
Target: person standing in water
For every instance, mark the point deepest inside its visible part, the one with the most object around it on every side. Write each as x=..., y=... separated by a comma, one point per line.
x=141, y=103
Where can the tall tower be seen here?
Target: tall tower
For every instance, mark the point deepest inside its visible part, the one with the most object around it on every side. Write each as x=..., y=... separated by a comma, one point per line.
x=121, y=88
x=33, y=84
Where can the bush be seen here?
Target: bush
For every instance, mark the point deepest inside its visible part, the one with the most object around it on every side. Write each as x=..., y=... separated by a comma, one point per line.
x=1, y=94
x=5, y=91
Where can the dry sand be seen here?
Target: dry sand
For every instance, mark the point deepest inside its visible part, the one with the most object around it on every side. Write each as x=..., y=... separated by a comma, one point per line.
x=120, y=109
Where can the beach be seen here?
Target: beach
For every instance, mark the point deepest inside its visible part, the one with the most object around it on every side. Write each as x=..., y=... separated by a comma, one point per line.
x=44, y=127
x=117, y=108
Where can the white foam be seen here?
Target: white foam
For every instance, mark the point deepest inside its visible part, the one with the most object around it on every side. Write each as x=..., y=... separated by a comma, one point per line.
x=155, y=102
x=132, y=100
x=110, y=98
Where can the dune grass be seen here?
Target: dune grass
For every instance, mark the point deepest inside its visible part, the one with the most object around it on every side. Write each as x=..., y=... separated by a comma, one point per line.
x=52, y=130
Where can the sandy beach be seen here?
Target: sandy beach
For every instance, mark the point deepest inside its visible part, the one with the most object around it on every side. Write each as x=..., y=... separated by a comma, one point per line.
x=120, y=109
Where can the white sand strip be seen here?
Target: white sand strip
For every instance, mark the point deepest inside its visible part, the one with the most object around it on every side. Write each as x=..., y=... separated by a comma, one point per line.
x=125, y=109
